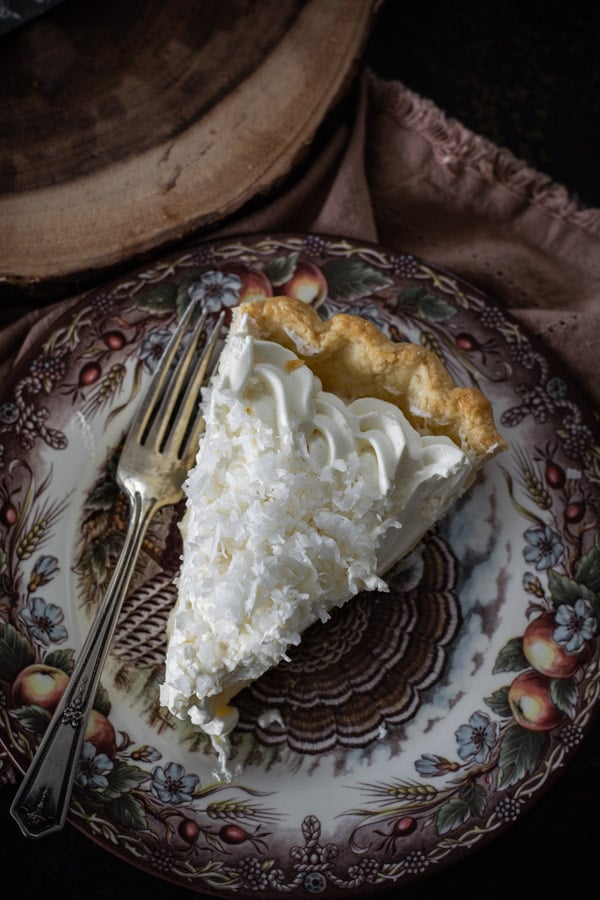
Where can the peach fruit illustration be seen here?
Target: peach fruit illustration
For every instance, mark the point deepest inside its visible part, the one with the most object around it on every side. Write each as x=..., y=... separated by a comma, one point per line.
x=530, y=702
x=544, y=654
x=101, y=733
x=307, y=283
x=255, y=284
x=39, y=684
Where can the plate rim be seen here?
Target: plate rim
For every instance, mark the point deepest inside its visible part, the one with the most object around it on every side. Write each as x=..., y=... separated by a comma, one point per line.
x=280, y=237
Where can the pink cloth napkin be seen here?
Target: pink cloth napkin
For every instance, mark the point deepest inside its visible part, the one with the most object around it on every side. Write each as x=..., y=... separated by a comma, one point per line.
x=404, y=175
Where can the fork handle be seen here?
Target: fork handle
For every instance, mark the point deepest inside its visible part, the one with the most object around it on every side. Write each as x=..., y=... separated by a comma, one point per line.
x=41, y=803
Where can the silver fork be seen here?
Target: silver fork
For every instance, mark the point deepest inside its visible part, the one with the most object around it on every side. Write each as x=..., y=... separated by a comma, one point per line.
x=158, y=452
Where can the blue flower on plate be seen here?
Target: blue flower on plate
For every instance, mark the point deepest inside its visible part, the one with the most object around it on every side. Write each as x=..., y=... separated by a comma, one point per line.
x=545, y=547
x=153, y=347
x=42, y=572
x=215, y=289
x=43, y=621
x=172, y=785
x=532, y=584
x=9, y=413
x=314, y=882
x=430, y=764
x=477, y=738
x=575, y=625
x=93, y=768
x=556, y=388
x=146, y=753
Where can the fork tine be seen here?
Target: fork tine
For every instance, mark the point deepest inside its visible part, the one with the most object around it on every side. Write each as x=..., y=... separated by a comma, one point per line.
x=160, y=422
x=159, y=378
x=188, y=427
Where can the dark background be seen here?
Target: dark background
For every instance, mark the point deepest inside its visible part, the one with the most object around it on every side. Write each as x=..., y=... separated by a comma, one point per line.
x=526, y=76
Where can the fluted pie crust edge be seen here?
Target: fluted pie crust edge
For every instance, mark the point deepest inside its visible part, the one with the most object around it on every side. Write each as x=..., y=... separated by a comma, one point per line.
x=353, y=359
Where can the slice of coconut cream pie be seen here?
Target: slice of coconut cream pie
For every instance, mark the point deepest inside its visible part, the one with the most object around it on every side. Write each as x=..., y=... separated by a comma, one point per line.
x=329, y=451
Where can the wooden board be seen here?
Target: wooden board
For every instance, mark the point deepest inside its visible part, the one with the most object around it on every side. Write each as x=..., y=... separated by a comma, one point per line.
x=127, y=126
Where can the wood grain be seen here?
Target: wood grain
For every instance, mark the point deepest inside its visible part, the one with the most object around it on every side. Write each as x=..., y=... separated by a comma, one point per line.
x=127, y=126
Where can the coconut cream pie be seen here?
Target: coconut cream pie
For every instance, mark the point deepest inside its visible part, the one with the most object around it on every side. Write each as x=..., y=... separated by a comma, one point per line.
x=328, y=452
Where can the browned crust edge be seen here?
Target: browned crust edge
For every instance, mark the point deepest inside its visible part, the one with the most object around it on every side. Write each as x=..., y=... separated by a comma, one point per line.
x=353, y=358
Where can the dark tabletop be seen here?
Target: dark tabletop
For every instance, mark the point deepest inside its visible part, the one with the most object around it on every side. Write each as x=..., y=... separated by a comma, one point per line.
x=526, y=76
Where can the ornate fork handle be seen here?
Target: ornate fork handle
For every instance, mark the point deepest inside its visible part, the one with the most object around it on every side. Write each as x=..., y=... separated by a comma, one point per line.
x=42, y=801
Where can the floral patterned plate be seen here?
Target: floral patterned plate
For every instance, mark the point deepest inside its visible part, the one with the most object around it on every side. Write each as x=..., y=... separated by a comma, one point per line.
x=413, y=726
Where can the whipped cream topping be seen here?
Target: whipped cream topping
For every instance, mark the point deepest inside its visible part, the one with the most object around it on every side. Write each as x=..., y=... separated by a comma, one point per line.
x=297, y=502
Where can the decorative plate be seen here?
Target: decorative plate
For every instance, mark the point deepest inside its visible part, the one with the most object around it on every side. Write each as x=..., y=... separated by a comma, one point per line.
x=412, y=727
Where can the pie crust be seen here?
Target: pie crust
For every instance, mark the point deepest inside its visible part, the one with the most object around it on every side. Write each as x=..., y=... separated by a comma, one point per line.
x=353, y=359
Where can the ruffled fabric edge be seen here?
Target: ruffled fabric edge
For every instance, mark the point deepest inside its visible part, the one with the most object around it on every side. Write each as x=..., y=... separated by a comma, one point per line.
x=454, y=145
